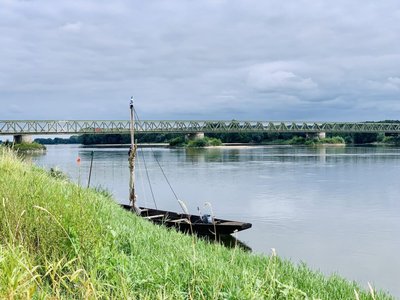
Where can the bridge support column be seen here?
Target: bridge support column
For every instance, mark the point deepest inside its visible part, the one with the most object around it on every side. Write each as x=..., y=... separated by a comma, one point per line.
x=22, y=138
x=196, y=136
x=318, y=135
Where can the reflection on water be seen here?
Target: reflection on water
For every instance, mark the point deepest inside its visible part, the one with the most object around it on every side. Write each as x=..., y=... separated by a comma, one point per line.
x=211, y=155
x=231, y=242
x=335, y=208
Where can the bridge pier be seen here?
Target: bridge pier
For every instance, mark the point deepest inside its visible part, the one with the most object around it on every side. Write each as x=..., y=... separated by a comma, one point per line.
x=23, y=138
x=195, y=135
x=318, y=135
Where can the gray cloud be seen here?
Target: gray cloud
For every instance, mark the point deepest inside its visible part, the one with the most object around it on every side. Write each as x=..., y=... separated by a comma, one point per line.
x=207, y=59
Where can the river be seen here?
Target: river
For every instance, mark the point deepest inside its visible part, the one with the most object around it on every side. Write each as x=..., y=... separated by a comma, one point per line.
x=335, y=208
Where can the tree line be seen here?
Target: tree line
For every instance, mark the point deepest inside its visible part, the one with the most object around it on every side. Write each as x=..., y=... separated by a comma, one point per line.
x=252, y=138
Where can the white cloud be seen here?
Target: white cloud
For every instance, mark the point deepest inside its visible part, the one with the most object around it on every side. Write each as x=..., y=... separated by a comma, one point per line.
x=394, y=82
x=266, y=79
x=72, y=27
x=389, y=85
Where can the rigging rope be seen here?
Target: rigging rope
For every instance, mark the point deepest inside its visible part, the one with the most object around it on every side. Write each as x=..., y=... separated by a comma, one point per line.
x=148, y=178
x=155, y=157
x=165, y=176
x=142, y=182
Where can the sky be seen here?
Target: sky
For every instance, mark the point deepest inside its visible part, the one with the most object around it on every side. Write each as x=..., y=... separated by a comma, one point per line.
x=298, y=60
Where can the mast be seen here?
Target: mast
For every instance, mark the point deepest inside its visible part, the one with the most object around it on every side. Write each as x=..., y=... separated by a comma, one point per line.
x=132, y=156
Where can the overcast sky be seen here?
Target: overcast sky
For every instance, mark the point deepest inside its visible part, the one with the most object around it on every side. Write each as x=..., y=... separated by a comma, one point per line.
x=255, y=60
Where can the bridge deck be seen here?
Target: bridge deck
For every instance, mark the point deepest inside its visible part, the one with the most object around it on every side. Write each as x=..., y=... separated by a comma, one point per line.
x=14, y=127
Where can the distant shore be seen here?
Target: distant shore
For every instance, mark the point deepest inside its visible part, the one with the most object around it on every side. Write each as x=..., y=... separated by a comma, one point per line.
x=224, y=145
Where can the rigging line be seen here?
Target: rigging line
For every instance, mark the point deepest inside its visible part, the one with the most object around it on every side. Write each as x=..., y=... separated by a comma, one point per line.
x=142, y=182
x=148, y=178
x=165, y=176
x=155, y=157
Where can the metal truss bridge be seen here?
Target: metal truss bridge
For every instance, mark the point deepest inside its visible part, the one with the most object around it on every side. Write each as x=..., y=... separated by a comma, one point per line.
x=34, y=127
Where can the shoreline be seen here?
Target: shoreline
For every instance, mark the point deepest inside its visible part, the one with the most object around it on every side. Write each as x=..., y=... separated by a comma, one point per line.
x=223, y=146
x=166, y=145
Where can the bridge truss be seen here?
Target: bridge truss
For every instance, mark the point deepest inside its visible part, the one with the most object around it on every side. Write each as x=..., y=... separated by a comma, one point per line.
x=15, y=127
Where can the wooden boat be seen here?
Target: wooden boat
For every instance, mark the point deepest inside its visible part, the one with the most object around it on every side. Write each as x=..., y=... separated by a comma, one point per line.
x=201, y=225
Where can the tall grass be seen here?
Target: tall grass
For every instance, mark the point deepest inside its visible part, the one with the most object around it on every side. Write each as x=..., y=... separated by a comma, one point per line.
x=58, y=240
x=27, y=147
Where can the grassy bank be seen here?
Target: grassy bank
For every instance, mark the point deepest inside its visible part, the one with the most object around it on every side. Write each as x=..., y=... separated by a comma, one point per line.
x=59, y=240
x=26, y=147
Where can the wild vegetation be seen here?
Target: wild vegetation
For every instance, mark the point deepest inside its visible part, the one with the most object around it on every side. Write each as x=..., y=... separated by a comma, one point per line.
x=196, y=143
x=23, y=147
x=62, y=241
x=315, y=141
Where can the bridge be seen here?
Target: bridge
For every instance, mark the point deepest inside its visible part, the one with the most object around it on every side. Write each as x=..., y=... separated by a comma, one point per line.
x=19, y=128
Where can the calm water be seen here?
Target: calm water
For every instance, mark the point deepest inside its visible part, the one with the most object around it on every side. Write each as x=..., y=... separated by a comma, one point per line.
x=335, y=208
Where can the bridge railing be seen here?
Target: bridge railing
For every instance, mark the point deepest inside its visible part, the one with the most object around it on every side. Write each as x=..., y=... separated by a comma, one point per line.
x=13, y=127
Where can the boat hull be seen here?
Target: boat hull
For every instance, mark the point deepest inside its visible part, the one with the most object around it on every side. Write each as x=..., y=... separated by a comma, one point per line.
x=190, y=223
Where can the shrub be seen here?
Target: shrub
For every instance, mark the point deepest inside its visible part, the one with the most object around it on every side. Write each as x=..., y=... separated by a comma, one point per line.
x=333, y=140
x=348, y=139
x=215, y=142
x=391, y=140
x=28, y=147
x=204, y=142
x=177, y=142
x=198, y=143
x=297, y=140
x=311, y=142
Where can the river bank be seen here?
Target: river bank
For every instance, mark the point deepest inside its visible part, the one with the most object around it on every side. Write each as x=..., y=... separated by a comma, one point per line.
x=64, y=241
x=26, y=147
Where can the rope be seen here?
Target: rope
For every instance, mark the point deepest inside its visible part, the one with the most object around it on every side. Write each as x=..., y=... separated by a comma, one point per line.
x=142, y=182
x=148, y=178
x=147, y=174
x=162, y=170
x=165, y=176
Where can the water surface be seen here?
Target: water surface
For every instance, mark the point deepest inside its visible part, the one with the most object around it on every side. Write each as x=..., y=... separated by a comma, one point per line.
x=335, y=208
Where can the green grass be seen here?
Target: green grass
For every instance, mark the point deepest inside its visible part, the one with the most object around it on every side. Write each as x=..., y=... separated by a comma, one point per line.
x=58, y=240
x=23, y=147
x=178, y=142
